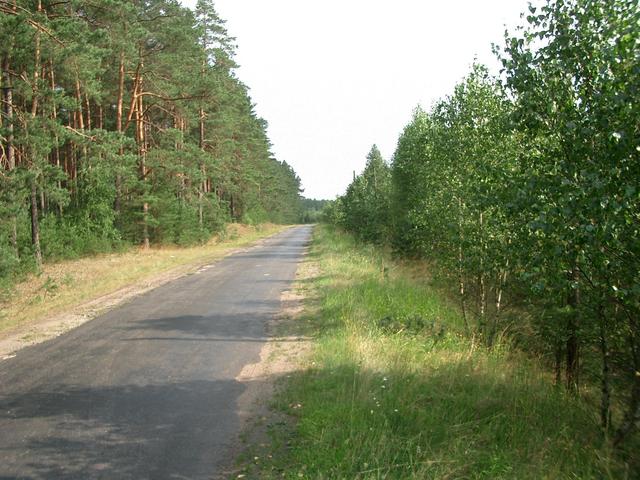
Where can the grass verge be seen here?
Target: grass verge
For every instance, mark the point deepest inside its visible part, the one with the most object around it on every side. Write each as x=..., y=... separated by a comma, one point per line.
x=66, y=284
x=392, y=391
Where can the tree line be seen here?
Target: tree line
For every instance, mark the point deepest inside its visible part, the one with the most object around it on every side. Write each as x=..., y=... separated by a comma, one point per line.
x=123, y=121
x=523, y=190
x=312, y=210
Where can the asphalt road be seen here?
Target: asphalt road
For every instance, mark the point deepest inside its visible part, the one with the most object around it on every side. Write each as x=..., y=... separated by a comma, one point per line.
x=147, y=390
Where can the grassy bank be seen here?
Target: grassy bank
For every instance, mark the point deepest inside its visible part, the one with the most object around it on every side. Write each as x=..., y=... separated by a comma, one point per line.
x=393, y=391
x=66, y=284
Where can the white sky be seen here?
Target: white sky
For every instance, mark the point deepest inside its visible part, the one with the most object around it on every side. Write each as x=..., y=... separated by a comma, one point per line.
x=333, y=77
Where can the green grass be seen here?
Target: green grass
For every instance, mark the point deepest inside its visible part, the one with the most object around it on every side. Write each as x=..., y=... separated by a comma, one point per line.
x=378, y=400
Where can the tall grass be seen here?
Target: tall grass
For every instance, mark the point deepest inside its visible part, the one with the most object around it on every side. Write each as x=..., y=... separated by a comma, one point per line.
x=394, y=391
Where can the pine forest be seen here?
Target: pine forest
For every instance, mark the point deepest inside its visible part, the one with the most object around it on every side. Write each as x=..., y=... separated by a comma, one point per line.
x=123, y=122
x=465, y=306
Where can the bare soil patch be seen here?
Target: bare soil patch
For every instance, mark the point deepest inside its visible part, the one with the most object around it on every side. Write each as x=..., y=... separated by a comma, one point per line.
x=283, y=354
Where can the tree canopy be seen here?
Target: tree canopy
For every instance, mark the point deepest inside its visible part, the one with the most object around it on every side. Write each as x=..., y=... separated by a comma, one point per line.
x=523, y=191
x=124, y=122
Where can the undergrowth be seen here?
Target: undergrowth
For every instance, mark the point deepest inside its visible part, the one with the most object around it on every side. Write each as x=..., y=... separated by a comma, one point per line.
x=393, y=391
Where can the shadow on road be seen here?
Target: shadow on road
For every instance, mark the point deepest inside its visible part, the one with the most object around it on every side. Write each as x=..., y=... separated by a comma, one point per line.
x=117, y=432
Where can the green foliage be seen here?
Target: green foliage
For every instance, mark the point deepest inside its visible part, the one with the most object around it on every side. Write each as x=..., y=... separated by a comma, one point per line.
x=312, y=210
x=382, y=403
x=333, y=212
x=71, y=237
x=366, y=203
x=522, y=193
x=124, y=122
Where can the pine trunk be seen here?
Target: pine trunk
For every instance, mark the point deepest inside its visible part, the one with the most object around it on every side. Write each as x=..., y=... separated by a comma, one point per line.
x=35, y=226
x=87, y=105
x=202, y=188
x=7, y=110
x=142, y=152
x=36, y=69
x=119, y=105
x=7, y=122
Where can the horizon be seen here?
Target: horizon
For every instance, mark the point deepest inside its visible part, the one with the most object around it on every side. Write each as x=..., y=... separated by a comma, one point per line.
x=327, y=100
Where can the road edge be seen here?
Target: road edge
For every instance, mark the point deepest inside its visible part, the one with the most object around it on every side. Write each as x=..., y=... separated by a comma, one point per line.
x=46, y=328
x=283, y=354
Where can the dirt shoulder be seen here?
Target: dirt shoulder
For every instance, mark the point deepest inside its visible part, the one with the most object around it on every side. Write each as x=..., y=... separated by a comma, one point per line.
x=286, y=352
x=68, y=294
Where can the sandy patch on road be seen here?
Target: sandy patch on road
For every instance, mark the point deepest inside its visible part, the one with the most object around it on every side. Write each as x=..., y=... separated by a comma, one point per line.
x=283, y=354
x=280, y=355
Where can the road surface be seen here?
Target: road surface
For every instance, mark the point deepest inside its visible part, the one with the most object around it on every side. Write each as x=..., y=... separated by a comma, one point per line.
x=147, y=390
